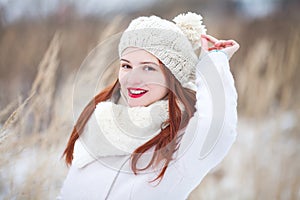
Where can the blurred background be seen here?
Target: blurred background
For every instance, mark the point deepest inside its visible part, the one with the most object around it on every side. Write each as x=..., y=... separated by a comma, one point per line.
x=43, y=43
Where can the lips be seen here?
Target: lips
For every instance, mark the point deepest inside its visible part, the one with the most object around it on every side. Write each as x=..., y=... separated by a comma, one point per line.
x=136, y=92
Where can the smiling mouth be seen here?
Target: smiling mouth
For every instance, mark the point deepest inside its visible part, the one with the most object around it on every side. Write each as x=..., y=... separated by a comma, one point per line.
x=136, y=92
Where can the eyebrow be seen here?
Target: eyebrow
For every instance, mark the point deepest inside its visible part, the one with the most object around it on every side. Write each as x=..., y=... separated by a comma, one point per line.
x=146, y=62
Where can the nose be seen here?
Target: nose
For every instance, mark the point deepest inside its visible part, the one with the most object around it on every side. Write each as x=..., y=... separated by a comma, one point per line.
x=134, y=77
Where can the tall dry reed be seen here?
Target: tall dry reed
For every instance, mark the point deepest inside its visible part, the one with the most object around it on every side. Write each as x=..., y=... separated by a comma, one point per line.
x=262, y=165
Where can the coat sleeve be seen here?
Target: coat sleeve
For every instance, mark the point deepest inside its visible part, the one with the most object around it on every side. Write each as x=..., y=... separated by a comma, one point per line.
x=212, y=131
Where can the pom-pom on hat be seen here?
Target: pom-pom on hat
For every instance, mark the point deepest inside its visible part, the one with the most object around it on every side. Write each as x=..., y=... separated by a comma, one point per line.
x=174, y=44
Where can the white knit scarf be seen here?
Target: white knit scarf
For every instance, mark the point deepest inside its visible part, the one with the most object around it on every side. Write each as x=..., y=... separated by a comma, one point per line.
x=117, y=130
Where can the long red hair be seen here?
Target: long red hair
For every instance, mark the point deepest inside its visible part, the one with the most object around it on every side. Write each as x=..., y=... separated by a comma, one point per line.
x=165, y=143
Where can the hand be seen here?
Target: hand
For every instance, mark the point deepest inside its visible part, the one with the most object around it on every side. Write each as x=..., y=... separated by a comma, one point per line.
x=229, y=47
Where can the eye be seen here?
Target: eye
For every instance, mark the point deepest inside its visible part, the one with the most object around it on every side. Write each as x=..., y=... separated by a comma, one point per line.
x=125, y=66
x=149, y=68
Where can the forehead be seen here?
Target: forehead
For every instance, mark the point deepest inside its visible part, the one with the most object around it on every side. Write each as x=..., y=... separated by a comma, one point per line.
x=134, y=54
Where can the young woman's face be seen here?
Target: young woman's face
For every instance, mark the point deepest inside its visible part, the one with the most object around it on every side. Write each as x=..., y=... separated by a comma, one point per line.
x=141, y=78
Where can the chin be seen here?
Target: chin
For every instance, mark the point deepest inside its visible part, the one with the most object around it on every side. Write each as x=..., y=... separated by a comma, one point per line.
x=137, y=103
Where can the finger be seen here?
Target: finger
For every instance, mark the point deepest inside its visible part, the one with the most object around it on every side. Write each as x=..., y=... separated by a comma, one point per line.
x=232, y=43
x=211, y=39
x=228, y=45
x=219, y=43
x=212, y=48
x=234, y=46
x=224, y=44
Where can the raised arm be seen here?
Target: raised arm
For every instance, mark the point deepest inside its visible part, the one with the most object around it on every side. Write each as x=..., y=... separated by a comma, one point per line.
x=212, y=131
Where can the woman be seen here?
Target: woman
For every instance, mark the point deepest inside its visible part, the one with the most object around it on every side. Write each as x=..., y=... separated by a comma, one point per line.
x=159, y=129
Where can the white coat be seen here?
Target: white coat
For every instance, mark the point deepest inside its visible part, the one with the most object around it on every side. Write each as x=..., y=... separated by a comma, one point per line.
x=199, y=152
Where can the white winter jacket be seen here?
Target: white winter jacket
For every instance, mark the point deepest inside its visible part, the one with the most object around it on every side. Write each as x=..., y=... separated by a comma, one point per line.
x=207, y=139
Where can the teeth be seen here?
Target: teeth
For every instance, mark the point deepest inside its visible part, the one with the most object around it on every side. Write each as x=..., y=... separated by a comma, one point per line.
x=137, y=91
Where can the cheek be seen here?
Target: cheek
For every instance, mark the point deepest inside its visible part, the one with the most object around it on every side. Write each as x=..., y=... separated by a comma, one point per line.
x=159, y=89
x=121, y=77
x=158, y=92
x=160, y=80
x=164, y=91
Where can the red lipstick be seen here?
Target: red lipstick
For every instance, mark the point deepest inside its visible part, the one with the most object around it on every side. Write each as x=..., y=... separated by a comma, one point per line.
x=136, y=92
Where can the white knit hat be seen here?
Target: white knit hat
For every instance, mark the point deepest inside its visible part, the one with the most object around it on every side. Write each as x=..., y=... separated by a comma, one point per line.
x=173, y=44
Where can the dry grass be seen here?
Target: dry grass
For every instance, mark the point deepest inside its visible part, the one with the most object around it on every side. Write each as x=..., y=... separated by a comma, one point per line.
x=26, y=134
x=268, y=70
x=34, y=135
x=264, y=163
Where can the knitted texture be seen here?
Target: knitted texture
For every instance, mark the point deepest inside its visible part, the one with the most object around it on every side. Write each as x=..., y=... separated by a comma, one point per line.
x=166, y=41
